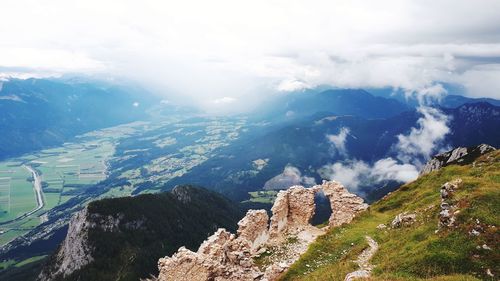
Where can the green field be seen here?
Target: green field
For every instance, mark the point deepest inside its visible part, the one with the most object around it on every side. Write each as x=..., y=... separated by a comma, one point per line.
x=64, y=171
x=267, y=197
x=16, y=191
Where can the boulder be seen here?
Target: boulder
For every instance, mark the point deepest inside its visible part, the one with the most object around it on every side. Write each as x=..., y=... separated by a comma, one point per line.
x=403, y=219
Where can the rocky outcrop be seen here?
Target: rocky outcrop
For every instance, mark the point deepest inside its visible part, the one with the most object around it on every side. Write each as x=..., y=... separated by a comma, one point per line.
x=226, y=256
x=403, y=219
x=344, y=204
x=458, y=156
x=75, y=252
x=448, y=209
x=223, y=256
x=292, y=210
x=254, y=228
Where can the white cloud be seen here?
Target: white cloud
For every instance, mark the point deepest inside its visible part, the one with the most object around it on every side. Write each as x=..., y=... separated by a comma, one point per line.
x=224, y=100
x=390, y=169
x=423, y=140
x=290, y=85
x=291, y=176
x=482, y=81
x=428, y=94
x=352, y=174
x=338, y=141
x=355, y=174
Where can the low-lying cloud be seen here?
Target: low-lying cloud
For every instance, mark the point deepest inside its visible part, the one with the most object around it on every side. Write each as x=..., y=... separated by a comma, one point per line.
x=338, y=141
x=424, y=139
x=355, y=174
x=290, y=176
x=412, y=149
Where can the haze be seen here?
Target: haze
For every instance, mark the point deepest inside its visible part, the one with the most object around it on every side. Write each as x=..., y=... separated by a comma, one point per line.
x=227, y=56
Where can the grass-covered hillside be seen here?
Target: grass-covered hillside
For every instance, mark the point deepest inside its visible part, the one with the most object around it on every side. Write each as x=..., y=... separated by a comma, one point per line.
x=467, y=251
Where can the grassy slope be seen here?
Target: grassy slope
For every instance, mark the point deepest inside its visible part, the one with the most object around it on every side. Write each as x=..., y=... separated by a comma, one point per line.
x=417, y=252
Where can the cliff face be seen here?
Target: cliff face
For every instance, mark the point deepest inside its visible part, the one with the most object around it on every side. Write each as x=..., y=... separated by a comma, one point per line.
x=75, y=252
x=259, y=250
x=123, y=238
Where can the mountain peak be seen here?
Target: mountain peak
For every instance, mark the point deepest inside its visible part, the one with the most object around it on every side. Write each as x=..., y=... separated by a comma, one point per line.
x=457, y=156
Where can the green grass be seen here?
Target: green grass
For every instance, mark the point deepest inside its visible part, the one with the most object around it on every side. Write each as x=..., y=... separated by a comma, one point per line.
x=417, y=252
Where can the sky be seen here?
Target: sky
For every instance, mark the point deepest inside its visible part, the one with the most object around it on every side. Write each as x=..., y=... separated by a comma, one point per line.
x=232, y=54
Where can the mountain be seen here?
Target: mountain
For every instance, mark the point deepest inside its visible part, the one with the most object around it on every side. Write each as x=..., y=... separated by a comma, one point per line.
x=474, y=123
x=455, y=97
x=443, y=226
x=304, y=145
x=338, y=101
x=457, y=156
x=123, y=238
x=37, y=113
x=452, y=101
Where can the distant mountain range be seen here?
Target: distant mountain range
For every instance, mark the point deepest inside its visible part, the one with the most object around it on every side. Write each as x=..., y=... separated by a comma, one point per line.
x=37, y=113
x=355, y=102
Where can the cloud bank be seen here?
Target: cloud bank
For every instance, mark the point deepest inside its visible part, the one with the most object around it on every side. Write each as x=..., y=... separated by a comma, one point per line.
x=203, y=51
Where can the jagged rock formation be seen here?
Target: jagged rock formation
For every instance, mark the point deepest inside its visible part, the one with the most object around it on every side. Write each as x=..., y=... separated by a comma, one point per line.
x=226, y=256
x=254, y=228
x=448, y=210
x=293, y=209
x=458, y=156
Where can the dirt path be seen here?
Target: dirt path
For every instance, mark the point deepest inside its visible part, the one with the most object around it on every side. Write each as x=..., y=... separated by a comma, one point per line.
x=363, y=261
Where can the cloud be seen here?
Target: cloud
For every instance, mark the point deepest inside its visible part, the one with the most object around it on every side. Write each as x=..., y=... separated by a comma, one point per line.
x=224, y=100
x=419, y=144
x=290, y=176
x=355, y=174
x=338, y=141
x=428, y=94
x=198, y=51
x=390, y=169
x=291, y=85
x=423, y=140
x=482, y=81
